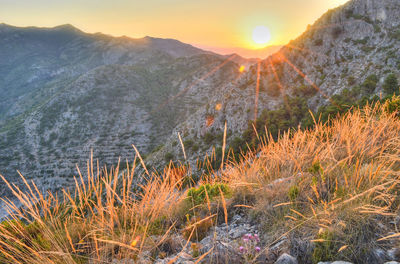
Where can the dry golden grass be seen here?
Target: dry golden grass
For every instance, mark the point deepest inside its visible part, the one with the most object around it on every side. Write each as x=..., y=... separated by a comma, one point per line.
x=345, y=174
x=338, y=178
x=101, y=219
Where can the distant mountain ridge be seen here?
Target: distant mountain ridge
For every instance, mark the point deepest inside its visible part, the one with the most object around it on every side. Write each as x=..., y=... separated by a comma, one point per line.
x=64, y=92
x=252, y=54
x=51, y=51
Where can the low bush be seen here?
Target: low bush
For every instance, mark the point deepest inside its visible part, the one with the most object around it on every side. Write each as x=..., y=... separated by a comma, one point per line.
x=168, y=156
x=197, y=228
x=318, y=42
x=370, y=83
x=206, y=193
x=391, y=85
x=208, y=138
x=393, y=105
x=325, y=247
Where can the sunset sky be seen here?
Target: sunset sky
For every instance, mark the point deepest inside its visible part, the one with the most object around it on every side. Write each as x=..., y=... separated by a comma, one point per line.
x=220, y=24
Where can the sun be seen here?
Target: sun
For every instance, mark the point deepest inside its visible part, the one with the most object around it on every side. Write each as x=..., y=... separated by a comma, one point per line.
x=261, y=35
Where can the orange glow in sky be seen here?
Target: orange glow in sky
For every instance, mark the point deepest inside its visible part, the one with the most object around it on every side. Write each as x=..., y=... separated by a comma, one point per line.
x=213, y=23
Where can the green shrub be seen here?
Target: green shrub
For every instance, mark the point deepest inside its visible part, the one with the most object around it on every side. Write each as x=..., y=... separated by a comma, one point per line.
x=326, y=248
x=393, y=105
x=391, y=85
x=27, y=234
x=363, y=41
x=305, y=90
x=195, y=250
x=291, y=114
x=293, y=192
x=349, y=13
x=188, y=143
x=395, y=34
x=237, y=144
x=209, y=138
x=318, y=42
x=273, y=90
x=195, y=147
x=367, y=49
x=336, y=32
x=168, y=156
x=370, y=83
x=316, y=168
x=197, y=228
x=158, y=226
x=351, y=80
x=198, y=195
x=159, y=147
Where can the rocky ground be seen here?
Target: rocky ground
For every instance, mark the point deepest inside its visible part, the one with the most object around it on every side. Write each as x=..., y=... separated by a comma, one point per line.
x=225, y=243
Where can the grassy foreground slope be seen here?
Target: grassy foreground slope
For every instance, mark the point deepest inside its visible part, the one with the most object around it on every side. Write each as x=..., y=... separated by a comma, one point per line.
x=335, y=186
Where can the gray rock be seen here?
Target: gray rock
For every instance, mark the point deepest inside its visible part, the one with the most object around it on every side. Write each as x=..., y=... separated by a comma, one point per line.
x=335, y=262
x=236, y=218
x=181, y=258
x=381, y=255
x=222, y=253
x=392, y=262
x=286, y=259
x=394, y=254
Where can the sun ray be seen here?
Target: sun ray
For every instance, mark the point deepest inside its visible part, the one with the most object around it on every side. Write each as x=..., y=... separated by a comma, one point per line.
x=257, y=91
x=306, y=59
x=281, y=87
x=307, y=79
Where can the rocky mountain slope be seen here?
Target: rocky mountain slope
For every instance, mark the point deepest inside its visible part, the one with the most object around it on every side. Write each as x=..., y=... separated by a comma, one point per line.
x=69, y=92
x=64, y=92
x=345, y=49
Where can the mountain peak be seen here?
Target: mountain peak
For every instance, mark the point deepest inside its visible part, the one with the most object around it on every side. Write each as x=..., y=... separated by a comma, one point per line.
x=5, y=24
x=67, y=27
x=5, y=27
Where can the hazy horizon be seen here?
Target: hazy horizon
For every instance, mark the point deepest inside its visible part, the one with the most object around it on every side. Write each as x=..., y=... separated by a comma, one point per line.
x=245, y=53
x=221, y=27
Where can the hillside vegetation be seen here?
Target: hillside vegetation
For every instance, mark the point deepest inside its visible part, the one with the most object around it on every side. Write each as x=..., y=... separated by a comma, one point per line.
x=331, y=192
x=64, y=92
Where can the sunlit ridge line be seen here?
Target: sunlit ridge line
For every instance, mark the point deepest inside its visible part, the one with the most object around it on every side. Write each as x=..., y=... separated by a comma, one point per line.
x=307, y=50
x=332, y=25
